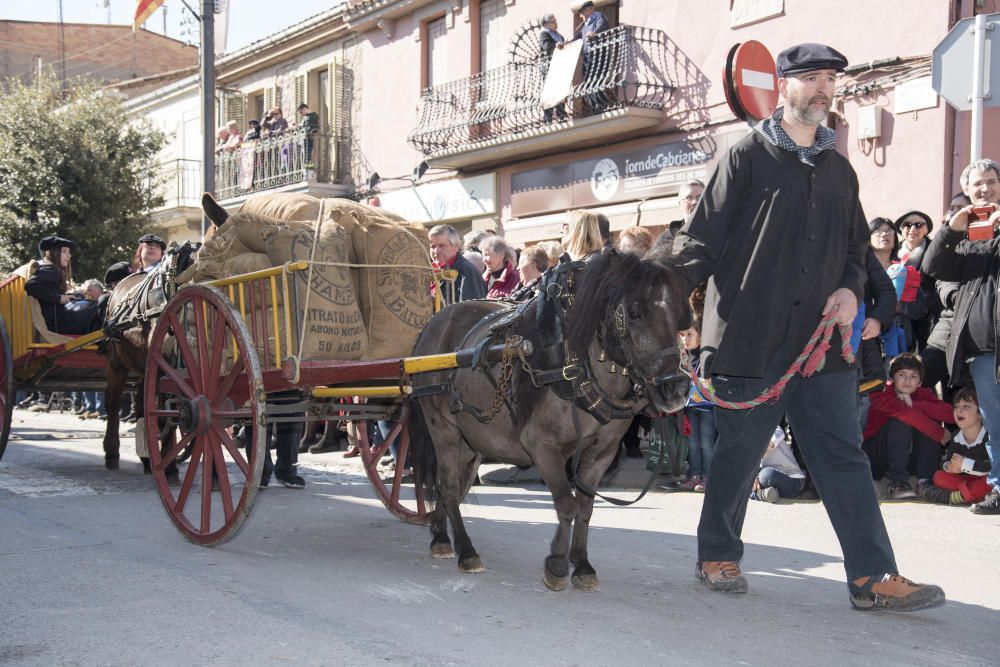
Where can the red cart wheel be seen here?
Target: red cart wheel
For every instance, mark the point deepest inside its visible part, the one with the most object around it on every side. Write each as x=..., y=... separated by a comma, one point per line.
x=401, y=499
x=7, y=390
x=203, y=374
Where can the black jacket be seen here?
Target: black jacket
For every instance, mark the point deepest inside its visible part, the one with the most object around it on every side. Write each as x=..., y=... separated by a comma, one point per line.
x=953, y=258
x=469, y=284
x=46, y=286
x=777, y=237
x=880, y=299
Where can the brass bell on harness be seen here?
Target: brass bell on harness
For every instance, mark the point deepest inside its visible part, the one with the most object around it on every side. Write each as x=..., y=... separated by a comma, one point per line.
x=614, y=369
x=602, y=357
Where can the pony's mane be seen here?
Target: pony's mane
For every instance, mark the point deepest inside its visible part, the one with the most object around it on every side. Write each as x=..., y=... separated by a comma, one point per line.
x=607, y=278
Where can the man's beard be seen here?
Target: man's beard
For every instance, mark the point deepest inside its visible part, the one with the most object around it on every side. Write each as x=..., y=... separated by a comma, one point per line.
x=805, y=113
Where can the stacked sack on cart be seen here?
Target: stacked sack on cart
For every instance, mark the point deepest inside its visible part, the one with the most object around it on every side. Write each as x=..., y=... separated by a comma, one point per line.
x=373, y=310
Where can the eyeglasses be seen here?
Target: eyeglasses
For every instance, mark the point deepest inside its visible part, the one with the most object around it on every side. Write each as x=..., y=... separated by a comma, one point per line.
x=882, y=232
x=907, y=225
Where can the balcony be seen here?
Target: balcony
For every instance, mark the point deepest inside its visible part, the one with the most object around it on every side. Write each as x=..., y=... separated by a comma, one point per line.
x=180, y=184
x=496, y=115
x=290, y=162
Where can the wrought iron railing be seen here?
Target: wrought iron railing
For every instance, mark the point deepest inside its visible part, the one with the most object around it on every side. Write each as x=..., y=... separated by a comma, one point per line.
x=623, y=67
x=179, y=183
x=266, y=164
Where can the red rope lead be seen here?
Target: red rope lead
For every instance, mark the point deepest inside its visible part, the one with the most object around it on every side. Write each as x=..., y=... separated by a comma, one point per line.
x=811, y=361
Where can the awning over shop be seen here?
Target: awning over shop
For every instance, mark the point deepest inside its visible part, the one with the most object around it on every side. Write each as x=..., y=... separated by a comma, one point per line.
x=647, y=213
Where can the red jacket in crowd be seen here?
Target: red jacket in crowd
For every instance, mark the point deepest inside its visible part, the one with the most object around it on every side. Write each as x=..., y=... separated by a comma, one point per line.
x=507, y=282
x=926, y=415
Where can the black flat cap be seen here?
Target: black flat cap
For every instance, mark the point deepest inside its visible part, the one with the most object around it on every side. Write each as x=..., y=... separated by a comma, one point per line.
x=153, y=238
x=116, y=273
x=53, y=242
x=809, y=57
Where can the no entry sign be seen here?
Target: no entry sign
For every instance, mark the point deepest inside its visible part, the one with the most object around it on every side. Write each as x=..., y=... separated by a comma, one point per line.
x=750, y=81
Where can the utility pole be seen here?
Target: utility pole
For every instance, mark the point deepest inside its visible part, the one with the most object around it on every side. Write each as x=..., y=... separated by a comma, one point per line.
x=207, y=102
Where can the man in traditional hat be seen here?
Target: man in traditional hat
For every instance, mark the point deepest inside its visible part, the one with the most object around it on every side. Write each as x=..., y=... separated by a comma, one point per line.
x=594, y=22
x=149, y=254
x=780, y=237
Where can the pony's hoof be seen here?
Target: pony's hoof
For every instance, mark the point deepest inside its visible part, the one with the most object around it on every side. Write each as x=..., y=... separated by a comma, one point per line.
x=111, y=464
x=442, y=550
x=587, y=583
x=552, y=582
x=471, y=565
x=147, y=469
x=173, y=480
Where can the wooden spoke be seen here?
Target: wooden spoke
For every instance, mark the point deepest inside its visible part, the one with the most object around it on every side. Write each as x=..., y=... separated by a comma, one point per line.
x=180, y=335
x=175, y=377
x=208, y=466
x=193, y=463
x=391, y=491
x=174, y=451
x=227, y=385
x=233, y=450
x=225, y=489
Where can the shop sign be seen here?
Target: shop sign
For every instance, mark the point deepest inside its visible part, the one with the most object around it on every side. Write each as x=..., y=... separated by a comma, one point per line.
x=645, y=173
x=454, y=199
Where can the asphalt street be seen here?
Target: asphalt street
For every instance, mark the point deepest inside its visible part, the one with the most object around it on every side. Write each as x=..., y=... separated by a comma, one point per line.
x=92, y=572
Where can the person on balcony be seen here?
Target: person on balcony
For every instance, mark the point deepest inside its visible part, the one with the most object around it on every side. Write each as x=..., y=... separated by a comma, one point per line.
x=278, y=123
x=253, y=133
x=500, y=276
x=50, y=285
x=235, y=139
x=222, y=136
x=549, y=40
x=594, y=22
x=308, y=123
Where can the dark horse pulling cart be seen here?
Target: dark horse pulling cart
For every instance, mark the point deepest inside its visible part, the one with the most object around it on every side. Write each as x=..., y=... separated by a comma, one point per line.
x=543, y=383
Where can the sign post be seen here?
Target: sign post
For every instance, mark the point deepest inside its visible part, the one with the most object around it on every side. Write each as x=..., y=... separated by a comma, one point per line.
x=969, y=47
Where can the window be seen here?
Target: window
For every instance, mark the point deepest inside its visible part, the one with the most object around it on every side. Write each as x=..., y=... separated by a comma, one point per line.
x=745, y=12
x=493, y=35
x=437, y=53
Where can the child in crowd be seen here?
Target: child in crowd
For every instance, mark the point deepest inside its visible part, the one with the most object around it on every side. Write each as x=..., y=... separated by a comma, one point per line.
x=700, y=413
x=904, y=422
x=780, y=475
x=963, y=479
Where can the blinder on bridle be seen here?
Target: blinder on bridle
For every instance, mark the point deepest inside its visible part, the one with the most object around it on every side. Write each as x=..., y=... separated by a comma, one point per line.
x=634, y=362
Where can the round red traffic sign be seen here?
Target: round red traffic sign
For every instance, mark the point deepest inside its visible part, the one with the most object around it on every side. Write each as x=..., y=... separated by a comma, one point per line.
x=750, y=81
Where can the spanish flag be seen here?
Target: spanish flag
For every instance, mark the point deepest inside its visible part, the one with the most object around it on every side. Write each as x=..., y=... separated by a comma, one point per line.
x=143, y=10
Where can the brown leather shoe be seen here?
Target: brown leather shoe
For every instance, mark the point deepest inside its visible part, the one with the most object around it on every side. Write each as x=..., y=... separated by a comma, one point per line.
x=723, y=576
x=894, y=593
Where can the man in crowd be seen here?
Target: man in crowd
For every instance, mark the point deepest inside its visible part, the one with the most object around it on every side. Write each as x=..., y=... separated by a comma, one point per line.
x=974, y=265
x=549, y=40
x=445, y=247
x=808, y=245
x=309, y=123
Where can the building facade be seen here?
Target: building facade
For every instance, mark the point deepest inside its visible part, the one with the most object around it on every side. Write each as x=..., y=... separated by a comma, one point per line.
x=454, y=87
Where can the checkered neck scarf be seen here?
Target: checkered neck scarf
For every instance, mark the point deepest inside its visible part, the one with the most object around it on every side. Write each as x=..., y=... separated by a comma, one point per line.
x=772, y=130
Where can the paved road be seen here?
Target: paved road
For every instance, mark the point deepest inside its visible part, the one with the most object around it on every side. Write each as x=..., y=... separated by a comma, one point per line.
x=93, y=572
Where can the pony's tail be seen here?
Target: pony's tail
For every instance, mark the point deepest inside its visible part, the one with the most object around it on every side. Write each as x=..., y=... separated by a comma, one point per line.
x=423, y=458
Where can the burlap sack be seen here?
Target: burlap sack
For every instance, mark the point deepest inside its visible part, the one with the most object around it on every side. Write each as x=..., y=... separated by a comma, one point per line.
x=283, y=206
x=394, y=296
x=248, y=262
x=333, y=325
x=209, y=263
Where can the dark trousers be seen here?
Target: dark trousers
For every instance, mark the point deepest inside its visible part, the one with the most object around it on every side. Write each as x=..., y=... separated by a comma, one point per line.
x=284, y=437
x=823, y=411
x=899, y=449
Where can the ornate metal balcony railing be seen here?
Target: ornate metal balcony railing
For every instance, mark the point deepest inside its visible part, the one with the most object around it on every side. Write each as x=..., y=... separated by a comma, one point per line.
x=179, y=183
x=623, y=67
x=267, y=164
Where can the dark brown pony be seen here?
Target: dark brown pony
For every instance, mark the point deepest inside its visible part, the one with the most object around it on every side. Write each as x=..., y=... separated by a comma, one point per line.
x=127, y=347
x=647, y=304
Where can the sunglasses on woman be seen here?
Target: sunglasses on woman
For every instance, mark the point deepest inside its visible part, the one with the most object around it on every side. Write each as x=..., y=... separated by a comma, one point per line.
x=907, y=225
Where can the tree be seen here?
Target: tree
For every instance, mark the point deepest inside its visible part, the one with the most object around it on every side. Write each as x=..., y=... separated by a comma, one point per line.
x=77, y=165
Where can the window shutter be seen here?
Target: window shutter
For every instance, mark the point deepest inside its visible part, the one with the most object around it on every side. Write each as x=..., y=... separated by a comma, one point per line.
x=334, y=83
x=234, y=110
x=300, y=92
x=268, y=99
